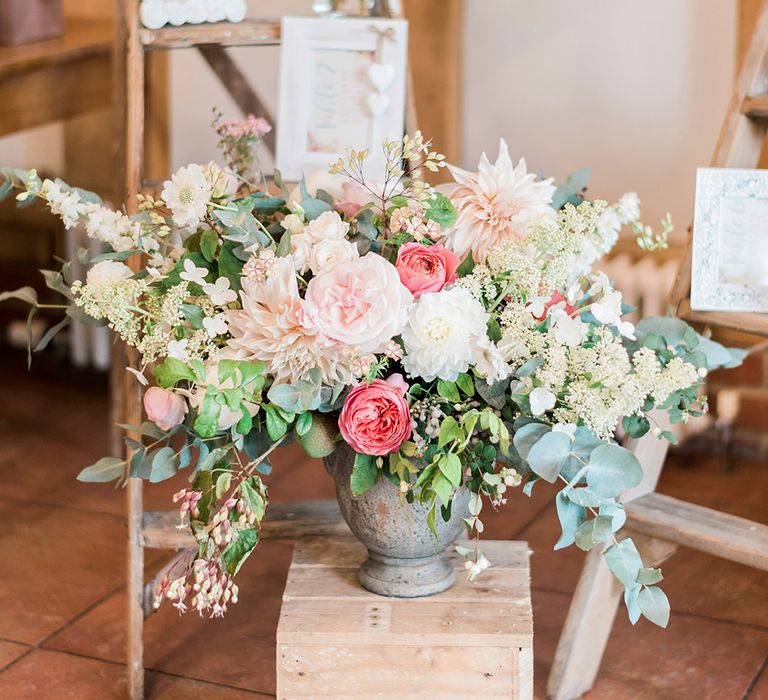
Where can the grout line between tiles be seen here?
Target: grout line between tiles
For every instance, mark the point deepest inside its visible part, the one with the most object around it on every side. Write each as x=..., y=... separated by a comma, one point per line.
x=755, y=679
x=72, y=620
x=161, y=672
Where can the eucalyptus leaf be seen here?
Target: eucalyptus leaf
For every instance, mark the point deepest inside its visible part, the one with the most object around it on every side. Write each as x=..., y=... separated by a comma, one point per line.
x=654, y=605
x=571, y=517
x=630, y=600
x=163, y=465
x=548, y=455
x=624, y=561
x=106, y=469
x=593, y=531
x=612, y=469
x=527, y=436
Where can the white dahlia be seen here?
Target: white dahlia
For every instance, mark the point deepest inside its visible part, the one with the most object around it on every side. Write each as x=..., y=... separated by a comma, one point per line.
x=187, y=195
x=274, y=327
x=442, y=332
x=497, y=202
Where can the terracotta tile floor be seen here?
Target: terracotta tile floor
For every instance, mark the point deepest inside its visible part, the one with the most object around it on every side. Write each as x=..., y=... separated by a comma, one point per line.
x=62, y=599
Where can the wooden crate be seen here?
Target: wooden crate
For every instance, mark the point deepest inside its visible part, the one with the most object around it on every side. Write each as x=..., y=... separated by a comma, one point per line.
x=337, y=641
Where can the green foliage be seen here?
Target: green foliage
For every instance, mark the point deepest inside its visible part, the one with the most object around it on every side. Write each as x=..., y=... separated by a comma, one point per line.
x=312, y=206
x=441, y=210
x=624, y=561
x=171, y=371
x=570, y=192
x=654, y=605
x=238, y=550
x=612, y=469
x=164, y=464
x=106, y=469
x=319, y=439
x=548, y=455
x=364, y=474
x=448, y=391
x=593, y=531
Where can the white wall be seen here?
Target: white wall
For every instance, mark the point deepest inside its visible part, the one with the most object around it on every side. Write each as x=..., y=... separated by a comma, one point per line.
x=635, y=90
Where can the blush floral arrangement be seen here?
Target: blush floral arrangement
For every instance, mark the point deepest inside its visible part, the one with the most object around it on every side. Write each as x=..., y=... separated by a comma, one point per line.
x=455, y=344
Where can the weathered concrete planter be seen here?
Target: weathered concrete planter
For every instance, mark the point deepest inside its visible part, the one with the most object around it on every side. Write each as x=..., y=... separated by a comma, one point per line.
x=404, y=558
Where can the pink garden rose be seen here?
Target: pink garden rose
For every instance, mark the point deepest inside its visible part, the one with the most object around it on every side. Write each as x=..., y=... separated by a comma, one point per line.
x=360, y=303
x=164, y=408
x=375, y=419
x=426, y=268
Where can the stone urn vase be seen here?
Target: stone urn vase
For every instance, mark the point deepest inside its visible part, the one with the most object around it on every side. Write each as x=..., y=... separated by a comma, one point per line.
x=405, y=560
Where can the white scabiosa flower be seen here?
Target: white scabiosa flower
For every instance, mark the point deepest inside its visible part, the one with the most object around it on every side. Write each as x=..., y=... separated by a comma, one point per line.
x=441, y=334
x=107, y=271
x=187, y=195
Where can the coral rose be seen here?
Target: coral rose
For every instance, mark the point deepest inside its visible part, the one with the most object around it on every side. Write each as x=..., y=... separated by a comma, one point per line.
x=426, y=268
x=164, y=408
x=375, y=419
x=360, y=303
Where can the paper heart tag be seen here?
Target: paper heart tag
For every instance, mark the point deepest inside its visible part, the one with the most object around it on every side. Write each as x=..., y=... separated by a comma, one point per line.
x=381, y=75
x=378, y=103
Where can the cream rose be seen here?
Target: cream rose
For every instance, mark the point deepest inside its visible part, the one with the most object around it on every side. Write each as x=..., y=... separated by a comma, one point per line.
x=360, y=303
x=325, y=254
x=327, y=226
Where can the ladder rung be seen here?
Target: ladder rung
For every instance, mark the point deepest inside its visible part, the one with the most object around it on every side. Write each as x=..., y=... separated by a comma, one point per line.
x=755, y=106
x=282, y=521
x=707, y=530
x=263, y=32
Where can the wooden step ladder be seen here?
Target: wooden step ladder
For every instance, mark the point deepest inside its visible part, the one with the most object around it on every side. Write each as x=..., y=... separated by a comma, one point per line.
x=158, y=529
x=659, y=523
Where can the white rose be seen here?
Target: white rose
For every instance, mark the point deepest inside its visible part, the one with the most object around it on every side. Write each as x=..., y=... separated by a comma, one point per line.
x=327, y=226
x=441, y=334
x=293, y=224
x=327, y=253
x=107, y=271
x=301, y=250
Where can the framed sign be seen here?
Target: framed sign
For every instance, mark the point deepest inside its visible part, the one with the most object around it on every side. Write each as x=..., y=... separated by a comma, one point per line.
x=729, y=266
x=342, y=84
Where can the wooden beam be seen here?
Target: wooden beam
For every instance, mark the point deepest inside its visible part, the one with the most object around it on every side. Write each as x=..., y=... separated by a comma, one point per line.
x=282, y=521
x=434, y=53
x=248, y=33
x=237, y=86
x=58, y=79
x=706, y=530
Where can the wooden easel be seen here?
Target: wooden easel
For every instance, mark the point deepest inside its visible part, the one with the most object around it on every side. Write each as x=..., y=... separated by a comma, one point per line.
x=158, y=529
x=658, y=523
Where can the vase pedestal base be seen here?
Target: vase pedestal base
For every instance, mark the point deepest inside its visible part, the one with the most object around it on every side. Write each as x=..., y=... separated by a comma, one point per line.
x=406, y=578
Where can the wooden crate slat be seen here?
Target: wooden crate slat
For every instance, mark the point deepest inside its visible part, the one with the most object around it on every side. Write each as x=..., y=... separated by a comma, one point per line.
x=347, y=553
x=724, y=535
x=263, y=32
x=343, y=672
x=282, y=521
x=474, y=640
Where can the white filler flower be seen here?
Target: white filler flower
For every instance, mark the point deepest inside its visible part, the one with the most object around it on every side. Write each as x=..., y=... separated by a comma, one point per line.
x=187, y=195
x=441, y=334
x=107, y=271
